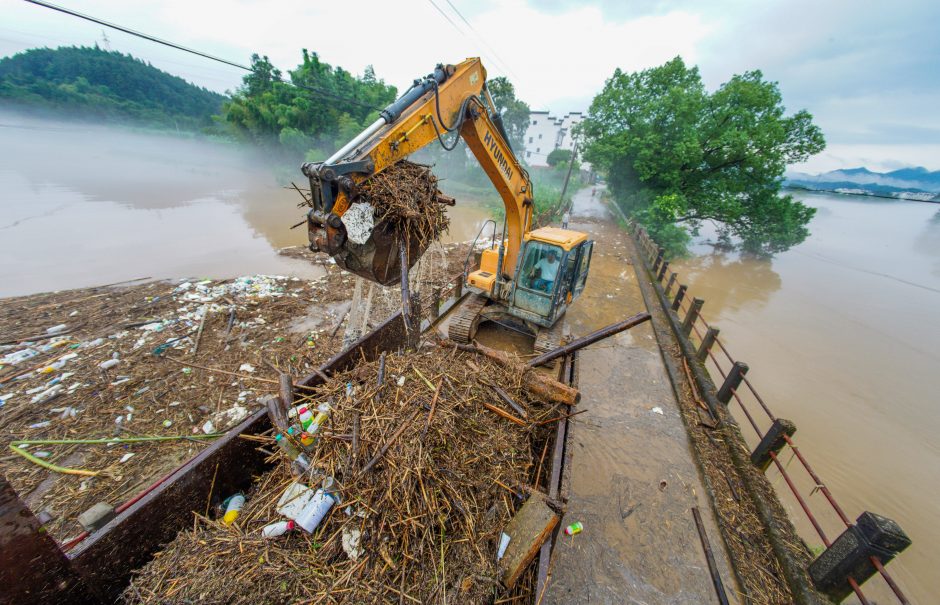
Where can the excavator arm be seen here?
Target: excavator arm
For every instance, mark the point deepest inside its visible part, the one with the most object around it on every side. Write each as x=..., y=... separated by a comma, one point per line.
x=453, y=98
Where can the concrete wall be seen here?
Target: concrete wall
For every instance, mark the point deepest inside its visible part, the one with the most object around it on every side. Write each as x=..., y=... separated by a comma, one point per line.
x=547, y=133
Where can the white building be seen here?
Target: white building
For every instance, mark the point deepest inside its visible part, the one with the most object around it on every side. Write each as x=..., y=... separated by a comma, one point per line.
x=546, y=133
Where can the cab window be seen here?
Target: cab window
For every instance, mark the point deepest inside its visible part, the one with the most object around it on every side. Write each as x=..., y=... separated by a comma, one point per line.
x=541, y=268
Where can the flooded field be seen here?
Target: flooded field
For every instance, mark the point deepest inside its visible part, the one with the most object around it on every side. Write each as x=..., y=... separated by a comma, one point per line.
x=85, y=205
x=841, y=335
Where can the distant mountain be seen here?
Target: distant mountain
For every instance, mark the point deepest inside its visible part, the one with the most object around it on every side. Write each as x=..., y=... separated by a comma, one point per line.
x=906, y=183
x=95, y=83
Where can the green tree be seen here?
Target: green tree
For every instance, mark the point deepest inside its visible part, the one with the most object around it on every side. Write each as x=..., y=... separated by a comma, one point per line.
x=326, y=108
x=514, y=112
x=676, y=155
x=560, y=157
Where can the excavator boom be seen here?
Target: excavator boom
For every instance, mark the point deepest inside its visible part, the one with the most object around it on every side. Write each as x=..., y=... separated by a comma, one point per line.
x=452, y=99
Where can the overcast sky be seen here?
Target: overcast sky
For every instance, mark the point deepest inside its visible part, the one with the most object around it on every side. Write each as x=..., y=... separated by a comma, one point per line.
x=867, y=71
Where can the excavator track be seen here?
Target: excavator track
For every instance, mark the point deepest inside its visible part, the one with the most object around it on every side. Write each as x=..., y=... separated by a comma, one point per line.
x=548, y=339
x=463, y=326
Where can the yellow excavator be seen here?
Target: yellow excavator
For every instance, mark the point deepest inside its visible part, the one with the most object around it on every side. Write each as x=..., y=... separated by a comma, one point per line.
x=527, y=279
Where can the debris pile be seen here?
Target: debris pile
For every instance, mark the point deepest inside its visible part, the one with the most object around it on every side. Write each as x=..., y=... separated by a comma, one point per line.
x=422, y=475
x=98, y=365
x=405, y=196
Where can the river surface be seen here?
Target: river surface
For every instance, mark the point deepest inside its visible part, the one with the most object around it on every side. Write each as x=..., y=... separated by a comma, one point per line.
x=842, y=336
x=840, y=332
x=84, y=205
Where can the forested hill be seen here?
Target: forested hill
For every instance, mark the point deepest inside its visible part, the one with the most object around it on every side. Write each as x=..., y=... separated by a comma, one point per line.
x=95, y=83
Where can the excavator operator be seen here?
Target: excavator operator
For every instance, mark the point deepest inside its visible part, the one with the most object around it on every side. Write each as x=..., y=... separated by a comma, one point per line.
x=546, y=271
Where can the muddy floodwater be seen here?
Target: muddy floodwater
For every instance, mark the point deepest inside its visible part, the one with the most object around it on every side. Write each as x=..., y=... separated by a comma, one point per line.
x=84, y=205
x=842, y=336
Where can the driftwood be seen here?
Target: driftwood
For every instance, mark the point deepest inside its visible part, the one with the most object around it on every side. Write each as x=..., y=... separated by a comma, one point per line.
x=538, y=384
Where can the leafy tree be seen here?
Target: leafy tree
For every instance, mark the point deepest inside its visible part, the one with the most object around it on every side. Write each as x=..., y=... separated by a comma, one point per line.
x=95, y=83
x=676, y=155
x=514, y=112
x=558, y=157
x=327, y=107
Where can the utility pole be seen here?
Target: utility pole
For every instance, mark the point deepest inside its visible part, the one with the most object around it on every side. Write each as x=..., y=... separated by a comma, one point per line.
x=564, y=189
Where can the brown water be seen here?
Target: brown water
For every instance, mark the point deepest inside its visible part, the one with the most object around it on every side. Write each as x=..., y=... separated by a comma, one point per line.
x=841, y=335
x=85, y=205
x=839, y=332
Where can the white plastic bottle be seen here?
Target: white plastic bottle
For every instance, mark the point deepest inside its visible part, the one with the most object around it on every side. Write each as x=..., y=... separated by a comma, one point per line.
x=277, y=529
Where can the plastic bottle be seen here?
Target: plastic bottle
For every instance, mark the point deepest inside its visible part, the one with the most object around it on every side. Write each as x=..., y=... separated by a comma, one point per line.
x=109, y=363
x=307, y=441
x=287, y=446
x=305, y=416
x=277, y=529
x=323, y=413
x=315, y=510
x=233, y=508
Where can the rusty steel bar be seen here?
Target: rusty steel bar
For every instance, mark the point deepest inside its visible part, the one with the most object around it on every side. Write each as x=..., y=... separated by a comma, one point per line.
x=894, y=587
x=799, y=498
x=580, y=343
x=822, y=486
x=710, y=558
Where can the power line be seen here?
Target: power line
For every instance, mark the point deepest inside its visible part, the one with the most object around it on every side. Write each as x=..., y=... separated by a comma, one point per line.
x=482, y=39
x=139, y=34
x=460, y=30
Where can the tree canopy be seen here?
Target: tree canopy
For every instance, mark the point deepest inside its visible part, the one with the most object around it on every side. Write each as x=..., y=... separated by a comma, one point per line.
x=676, y=155
x=327, y=107
x=92, y=82
x=514, y=111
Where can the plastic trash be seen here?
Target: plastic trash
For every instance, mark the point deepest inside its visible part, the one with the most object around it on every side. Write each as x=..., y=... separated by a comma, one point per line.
x=306, y=417
x=277, y=529
x=503, y=543
x=127, y=457
x=48, y=394
x=19, y=356
x=109, y=363
x=287, y=446
x=246, y=367
x=233, y=506
x=315, y=510
x=574, y=528
x=56, y=329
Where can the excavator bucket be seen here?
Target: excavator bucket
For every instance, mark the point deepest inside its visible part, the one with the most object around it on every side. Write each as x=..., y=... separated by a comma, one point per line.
x=400, y=205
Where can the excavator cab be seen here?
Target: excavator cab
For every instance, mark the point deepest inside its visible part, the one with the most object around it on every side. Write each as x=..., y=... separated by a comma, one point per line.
x=552, y=272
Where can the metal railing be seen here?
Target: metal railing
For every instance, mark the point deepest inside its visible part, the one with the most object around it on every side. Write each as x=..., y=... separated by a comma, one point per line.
x=736, y=385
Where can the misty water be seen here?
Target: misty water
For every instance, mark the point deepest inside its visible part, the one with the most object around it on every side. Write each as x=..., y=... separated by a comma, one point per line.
x=840, y=332
x=84, y=205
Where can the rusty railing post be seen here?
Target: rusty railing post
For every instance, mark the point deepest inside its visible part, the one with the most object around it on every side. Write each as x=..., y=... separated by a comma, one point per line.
x=692, y=316
x=669, y=284
x=659, y=259
x=851, y=554
x=772, y=441
x=702, y=354
x=662, y=271
x=732, y=382
x=680, y=294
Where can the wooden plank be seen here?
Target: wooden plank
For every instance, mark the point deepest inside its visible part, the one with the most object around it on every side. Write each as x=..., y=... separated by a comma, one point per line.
x=528, y=530
x=32, y=568
x=107, y=557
